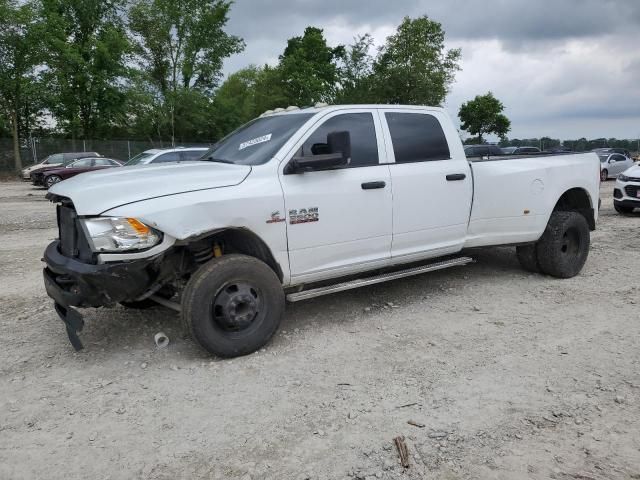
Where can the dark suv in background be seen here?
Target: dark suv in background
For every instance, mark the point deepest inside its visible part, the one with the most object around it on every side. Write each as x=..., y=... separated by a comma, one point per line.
x=482, y=150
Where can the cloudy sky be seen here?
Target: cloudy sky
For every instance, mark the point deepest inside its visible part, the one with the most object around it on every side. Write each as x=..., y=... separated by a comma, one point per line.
x=563, y=68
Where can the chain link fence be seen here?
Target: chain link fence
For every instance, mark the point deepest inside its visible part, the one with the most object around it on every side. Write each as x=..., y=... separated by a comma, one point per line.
x=34, y=150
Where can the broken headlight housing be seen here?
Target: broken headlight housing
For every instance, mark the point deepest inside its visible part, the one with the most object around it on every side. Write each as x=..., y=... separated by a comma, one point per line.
x=116, y=234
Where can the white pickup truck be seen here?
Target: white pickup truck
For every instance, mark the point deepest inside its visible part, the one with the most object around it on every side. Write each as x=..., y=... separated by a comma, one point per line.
x=304, y=202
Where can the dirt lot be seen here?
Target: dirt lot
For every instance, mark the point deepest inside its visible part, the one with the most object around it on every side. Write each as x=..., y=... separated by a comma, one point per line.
x=513, y=375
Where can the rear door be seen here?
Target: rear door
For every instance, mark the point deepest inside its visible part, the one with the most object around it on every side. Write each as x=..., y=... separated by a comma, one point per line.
x=339, y=221
x=432, y=190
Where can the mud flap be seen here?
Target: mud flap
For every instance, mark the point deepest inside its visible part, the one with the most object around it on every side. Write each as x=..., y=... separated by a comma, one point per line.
x=74, y=323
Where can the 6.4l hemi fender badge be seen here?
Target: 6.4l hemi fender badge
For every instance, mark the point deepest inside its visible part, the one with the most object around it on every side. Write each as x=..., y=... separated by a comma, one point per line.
x=304, y=215
x=276, y=218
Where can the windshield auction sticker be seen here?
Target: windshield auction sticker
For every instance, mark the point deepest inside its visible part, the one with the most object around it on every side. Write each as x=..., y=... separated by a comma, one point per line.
x=255, y=141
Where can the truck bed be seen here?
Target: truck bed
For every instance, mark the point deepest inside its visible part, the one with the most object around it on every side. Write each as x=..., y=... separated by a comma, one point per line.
x=514, y=196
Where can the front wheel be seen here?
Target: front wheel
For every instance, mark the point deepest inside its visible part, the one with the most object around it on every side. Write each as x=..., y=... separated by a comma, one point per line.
x=622, y=210
x=564, y=246
x=233, y=305
x=604, y=175
x=51, y=180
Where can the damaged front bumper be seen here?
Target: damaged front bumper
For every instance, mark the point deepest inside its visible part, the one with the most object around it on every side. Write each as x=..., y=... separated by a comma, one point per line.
x=72, y=283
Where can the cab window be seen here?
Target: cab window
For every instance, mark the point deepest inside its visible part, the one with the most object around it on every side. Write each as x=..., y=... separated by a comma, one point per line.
x=362, y=132
x=417, y=137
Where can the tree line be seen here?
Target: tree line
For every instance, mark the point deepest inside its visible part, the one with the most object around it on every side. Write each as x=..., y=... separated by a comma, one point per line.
x=152, y=70
x=484, y=115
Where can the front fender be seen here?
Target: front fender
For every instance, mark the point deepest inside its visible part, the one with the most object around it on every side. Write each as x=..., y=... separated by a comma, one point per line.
x=252, y=205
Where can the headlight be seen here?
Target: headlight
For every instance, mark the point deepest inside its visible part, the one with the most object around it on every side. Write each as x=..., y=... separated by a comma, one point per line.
x=114, y=234
x=623, y=178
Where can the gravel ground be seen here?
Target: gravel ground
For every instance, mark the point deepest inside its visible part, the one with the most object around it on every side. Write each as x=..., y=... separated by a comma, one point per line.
x=507, y=375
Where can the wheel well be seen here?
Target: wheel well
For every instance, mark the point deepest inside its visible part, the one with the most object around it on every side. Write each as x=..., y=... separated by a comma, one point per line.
x=239, y=240
x=578, y=200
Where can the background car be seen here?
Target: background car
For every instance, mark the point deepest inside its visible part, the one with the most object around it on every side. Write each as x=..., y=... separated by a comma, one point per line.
x=612, y=164
x=622, y=151
x=57, y=159
x=163, y=155
x=626, y=194
x=482, y=150
x=51, y=176
x=525, y=151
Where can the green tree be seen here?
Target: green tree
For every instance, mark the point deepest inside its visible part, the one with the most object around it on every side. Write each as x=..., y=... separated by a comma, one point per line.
x=87, y=52
x=413, y=67
x=483, y=115
x=20, y=54
x=308, y=68
x=357, y=67
x=235, y=100
x=269, y=90
x=181, y=47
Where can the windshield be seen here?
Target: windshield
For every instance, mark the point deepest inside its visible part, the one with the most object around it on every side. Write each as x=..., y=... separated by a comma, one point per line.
x=603, y=158
x=139, y=158
x=258, y=141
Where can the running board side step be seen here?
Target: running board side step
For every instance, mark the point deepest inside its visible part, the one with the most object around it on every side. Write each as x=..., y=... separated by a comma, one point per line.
x=385, y=277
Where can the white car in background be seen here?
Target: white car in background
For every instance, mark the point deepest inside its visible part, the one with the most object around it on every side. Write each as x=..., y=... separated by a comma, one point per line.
x=165, y=155
x=626, y=194
x=613, y=164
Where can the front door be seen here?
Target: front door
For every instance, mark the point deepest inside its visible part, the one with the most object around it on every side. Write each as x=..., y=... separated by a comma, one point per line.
x=339, y=221
x=618, y=164
x=432, y=186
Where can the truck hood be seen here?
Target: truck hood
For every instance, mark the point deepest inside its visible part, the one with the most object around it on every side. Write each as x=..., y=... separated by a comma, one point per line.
x=93, y=193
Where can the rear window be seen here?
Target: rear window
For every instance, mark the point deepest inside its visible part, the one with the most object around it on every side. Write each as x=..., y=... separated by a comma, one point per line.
x=417, y=137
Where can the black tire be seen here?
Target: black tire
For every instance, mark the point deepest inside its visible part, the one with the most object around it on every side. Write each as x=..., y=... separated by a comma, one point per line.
x=233, y=305
x=564, y=246
x=528, y=258
x=622, y=210
x=51, y=180
x=604, y=175
x=165, y=292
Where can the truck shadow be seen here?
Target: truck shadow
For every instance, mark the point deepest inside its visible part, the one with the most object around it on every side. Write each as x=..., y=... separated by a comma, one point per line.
x=492, y=264
x=121, y=331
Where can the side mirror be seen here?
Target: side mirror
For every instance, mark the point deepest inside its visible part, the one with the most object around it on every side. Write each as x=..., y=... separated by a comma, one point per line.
x=339, y=155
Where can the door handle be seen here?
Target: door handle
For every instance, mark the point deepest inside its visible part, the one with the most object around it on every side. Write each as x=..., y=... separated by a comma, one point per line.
x=456, y=176
x=373, y=185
